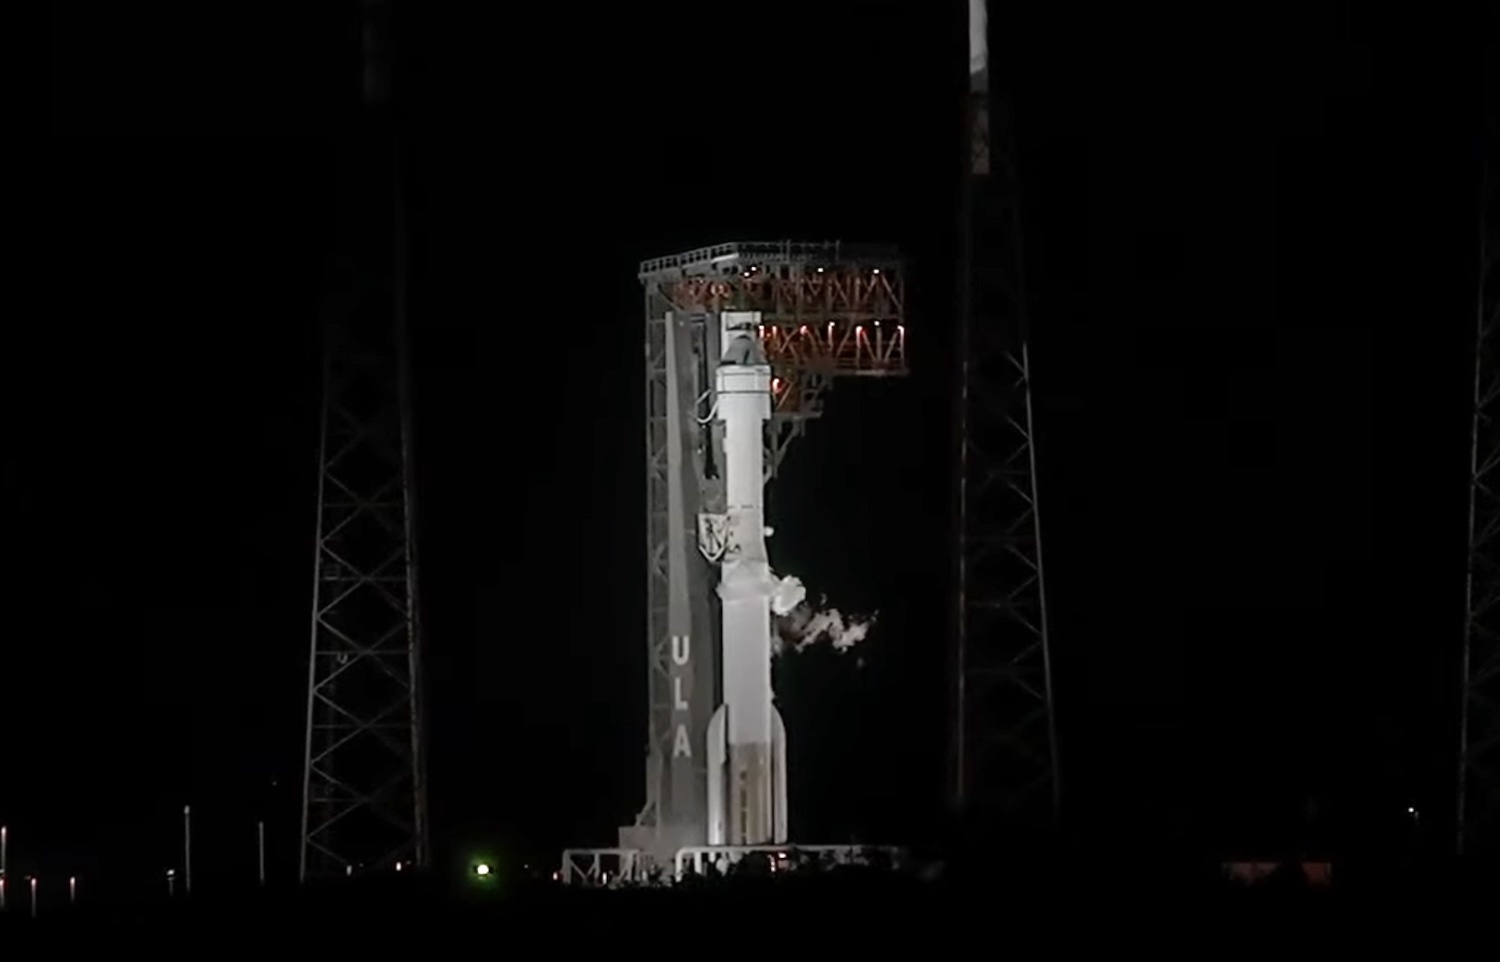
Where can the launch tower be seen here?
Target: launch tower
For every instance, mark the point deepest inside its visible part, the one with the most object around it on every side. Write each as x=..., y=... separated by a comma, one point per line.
x=741, y=337
x=364, y=794
x=1004, y=746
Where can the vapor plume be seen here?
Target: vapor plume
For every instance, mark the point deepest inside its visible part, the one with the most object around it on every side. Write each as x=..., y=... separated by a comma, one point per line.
x=799, y=624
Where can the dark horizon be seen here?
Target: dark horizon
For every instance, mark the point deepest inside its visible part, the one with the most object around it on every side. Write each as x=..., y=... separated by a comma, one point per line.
x=1253, y=281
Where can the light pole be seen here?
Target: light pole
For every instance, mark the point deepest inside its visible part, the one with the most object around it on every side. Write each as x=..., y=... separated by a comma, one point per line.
x=187, y=850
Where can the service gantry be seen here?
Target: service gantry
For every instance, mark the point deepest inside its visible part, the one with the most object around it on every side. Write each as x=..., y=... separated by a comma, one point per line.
x=826, y=310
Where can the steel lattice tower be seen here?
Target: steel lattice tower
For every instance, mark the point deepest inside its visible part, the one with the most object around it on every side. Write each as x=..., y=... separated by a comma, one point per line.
x=364, y=804
x=1479, y=728
x=1003, y=739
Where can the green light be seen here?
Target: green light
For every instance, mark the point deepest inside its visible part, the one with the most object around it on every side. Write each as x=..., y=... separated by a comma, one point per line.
x=485, y=869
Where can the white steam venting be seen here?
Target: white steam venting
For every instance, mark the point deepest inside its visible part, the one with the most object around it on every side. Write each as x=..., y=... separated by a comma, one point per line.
x=800, y=625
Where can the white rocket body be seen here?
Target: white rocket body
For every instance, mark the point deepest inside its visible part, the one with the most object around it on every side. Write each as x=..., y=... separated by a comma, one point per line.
x=746, y=738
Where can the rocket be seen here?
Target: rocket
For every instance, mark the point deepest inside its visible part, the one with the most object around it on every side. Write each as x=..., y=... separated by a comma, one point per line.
x=746, y=737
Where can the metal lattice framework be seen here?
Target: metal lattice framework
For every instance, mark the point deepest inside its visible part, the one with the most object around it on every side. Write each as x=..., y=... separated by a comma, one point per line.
x=827, y=310
x=1003, y=742
x=364, y=803
x=364, y=786
x=1479, y=738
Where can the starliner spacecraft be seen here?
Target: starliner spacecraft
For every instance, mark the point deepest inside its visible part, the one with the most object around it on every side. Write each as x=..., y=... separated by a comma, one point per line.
x=742, y=340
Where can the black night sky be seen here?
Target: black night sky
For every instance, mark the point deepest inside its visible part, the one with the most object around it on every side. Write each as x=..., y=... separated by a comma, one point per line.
x=1252, y=267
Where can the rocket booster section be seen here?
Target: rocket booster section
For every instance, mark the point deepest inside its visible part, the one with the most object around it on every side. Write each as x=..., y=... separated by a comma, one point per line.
x=747, y=756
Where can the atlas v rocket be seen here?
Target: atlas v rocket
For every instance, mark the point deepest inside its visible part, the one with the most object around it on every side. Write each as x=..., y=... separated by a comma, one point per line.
x=746, y=737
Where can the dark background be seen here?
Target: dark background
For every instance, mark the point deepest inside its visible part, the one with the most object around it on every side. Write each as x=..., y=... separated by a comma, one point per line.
x=1253, y=272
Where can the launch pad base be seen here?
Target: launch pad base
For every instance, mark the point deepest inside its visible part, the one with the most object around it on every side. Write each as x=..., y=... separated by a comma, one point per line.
x=602, y=866
x=609, y=867
x=698, y=859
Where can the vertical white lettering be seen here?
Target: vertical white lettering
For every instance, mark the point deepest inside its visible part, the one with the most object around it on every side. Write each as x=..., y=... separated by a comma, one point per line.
x=681, y=747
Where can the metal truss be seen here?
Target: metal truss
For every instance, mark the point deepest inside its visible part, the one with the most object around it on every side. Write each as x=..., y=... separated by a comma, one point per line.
x=364, y=805
x=798, y=400
x=1004, y=744
x=1479, y=728
x=602, y=867
x=364, y=802
x=667, y=529
x=658, y=580
x=827, y=311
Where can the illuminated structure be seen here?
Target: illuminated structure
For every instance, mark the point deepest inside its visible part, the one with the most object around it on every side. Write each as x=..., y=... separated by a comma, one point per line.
x=746, y=736
x=1004, y=745
x=1479, y=729
x=364, y=792
x=741, y=342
